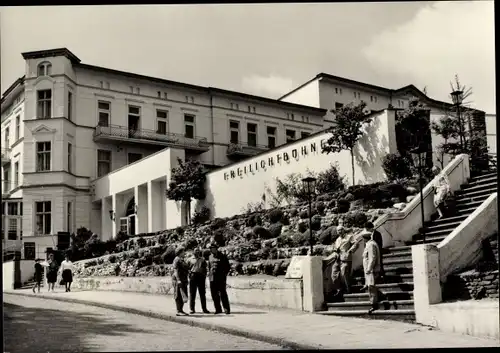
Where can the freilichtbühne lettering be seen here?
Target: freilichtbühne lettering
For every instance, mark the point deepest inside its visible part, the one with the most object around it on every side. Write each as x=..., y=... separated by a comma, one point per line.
x=285, y=156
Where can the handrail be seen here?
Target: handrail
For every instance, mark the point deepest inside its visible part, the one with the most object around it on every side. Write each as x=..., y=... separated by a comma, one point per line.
x=415, y=202
x=148, y=134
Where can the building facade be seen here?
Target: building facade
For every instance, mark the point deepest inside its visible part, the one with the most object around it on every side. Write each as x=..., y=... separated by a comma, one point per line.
x=66, y=124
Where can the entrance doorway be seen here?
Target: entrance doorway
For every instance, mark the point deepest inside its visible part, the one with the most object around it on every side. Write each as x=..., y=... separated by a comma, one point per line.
x=127, y=223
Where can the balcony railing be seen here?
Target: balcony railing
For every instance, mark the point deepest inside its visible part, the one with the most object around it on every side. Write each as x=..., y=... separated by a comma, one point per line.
x=5, y=155
x=244, y=149
x=145, y=136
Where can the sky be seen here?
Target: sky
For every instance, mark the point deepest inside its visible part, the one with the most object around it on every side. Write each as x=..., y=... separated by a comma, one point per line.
x=269, y=49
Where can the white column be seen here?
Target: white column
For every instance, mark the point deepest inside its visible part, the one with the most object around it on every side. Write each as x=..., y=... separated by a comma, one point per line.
x=150, y=206
x=312, y=281
x=136, y=199
x=114, y=226
x=104, y=231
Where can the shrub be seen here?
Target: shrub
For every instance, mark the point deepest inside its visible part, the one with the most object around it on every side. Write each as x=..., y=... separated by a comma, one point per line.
x=355, y=219
x=253, y=220
x=275, y=215
x=190, y=243
x=303, y=214
x=169, y=255
x=121, y=237
x=343, y=205
x=316, y=222
x=275, y=230
x=326, y=237
x=141, y=242
x=219, y=237
x=320, y=207
x=201, y=216
x=293, y=212
x=301, y=239
x=218, y=223
x=396, y=166
x=285, y=220
x=178, y=231
x=285, y=240
x=329, y=181
x=261, y=232
x=302, y=227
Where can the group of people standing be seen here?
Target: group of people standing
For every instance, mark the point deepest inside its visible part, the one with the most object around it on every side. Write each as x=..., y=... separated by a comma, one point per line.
x=216, y=266
x=65, y=271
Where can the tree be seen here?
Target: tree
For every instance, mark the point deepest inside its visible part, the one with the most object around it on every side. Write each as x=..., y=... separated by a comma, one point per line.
x=187, y=183
x=347, y=130
x=457, y=131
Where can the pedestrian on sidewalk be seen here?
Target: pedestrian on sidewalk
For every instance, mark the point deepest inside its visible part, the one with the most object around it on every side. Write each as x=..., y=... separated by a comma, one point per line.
x=38, y=275
x=371, y=266
x=180, y=281
x=197, y=282
x=377, y=237
x=218, y=269
x=52, y=270
x=346, y=246
x=67, y=269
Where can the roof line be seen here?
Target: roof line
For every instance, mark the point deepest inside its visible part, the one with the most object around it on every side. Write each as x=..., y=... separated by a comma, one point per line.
x=197, y=87
x=12, y=86
x=299, y=87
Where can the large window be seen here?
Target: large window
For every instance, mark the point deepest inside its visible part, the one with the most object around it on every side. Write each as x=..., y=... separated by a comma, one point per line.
x=6, y=179
x=104, y=112
x=16, y=174
x=18, y=127
x=44, y=104
x=161, y=122
x=234, y=132
x=44, y=69
x=43, y=213
x=70, y=105
x=43, y=150
x=103, y=162
x=70, y=158
x=69, y=217
x=271, y=136
x=12, y=228
x=7, y=138
x=290, y=135
x=189, y=126
x=252, y=134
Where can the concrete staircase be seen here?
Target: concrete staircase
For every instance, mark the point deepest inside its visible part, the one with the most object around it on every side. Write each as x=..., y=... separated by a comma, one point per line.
x=397, y=286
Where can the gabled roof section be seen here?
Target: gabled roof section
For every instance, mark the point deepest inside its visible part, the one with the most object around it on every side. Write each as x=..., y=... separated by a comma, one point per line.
x=296, y=89
x=17, y=82
x=51, y=53
x=267, y=100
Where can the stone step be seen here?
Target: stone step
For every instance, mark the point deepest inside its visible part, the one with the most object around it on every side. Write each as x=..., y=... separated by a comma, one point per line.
x=389, y=295
x=397, y=254
x=390, y=262
x=471, y=193
x=390, y=287
x=480, y=186
x=483, y=180
x=463, y=200
x=446, y=220
x=486, y=175
x=439, y=233
x=466, y=211
x=407, y=316
x=366, y=305
x=451, y=225
x=430, y=240
x=403, y=279
x=471, y=204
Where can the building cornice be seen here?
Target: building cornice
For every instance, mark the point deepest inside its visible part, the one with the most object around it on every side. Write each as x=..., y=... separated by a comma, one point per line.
x=51, y=53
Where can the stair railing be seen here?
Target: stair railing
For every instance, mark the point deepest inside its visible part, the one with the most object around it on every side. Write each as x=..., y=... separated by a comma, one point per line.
x=398, y=228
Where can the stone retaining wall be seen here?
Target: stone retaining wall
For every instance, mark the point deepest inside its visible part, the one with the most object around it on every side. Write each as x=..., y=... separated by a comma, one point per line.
x=472, y=285
x=264, y=291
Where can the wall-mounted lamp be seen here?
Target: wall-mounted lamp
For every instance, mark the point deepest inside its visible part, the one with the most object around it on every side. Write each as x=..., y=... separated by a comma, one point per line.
x=136, y=208
x=112, y=215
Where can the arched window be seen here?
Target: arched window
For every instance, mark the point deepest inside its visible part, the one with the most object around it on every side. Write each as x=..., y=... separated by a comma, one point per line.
x=44, y=69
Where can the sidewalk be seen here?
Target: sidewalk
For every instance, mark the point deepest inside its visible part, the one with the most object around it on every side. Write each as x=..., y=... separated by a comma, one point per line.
x=291, y=329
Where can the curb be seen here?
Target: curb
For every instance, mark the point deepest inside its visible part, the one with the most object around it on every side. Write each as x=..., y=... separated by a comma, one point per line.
x=186, y=321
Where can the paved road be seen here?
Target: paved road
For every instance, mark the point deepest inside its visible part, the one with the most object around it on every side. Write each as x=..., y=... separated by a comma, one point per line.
x=35, y=324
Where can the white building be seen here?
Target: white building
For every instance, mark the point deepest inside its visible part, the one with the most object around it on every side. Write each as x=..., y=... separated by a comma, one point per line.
x=66, y=124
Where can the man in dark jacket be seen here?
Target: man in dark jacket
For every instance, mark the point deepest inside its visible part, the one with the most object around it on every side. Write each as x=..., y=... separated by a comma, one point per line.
x=218, y=269
x=197, y=281
x=377, y=238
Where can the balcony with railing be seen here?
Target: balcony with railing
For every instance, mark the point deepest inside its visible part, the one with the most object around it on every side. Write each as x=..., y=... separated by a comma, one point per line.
x=117, y=133
x=5, y=156
x=241, y=150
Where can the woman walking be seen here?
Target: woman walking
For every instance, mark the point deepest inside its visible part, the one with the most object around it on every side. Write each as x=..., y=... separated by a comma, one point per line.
x=441, y=191
x=52, y=270
x=67, y=272
x=180, y=281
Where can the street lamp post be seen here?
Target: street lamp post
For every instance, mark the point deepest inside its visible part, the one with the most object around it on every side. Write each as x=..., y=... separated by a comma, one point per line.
x=309, y=188
x=419, y=155
x=457, y=98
